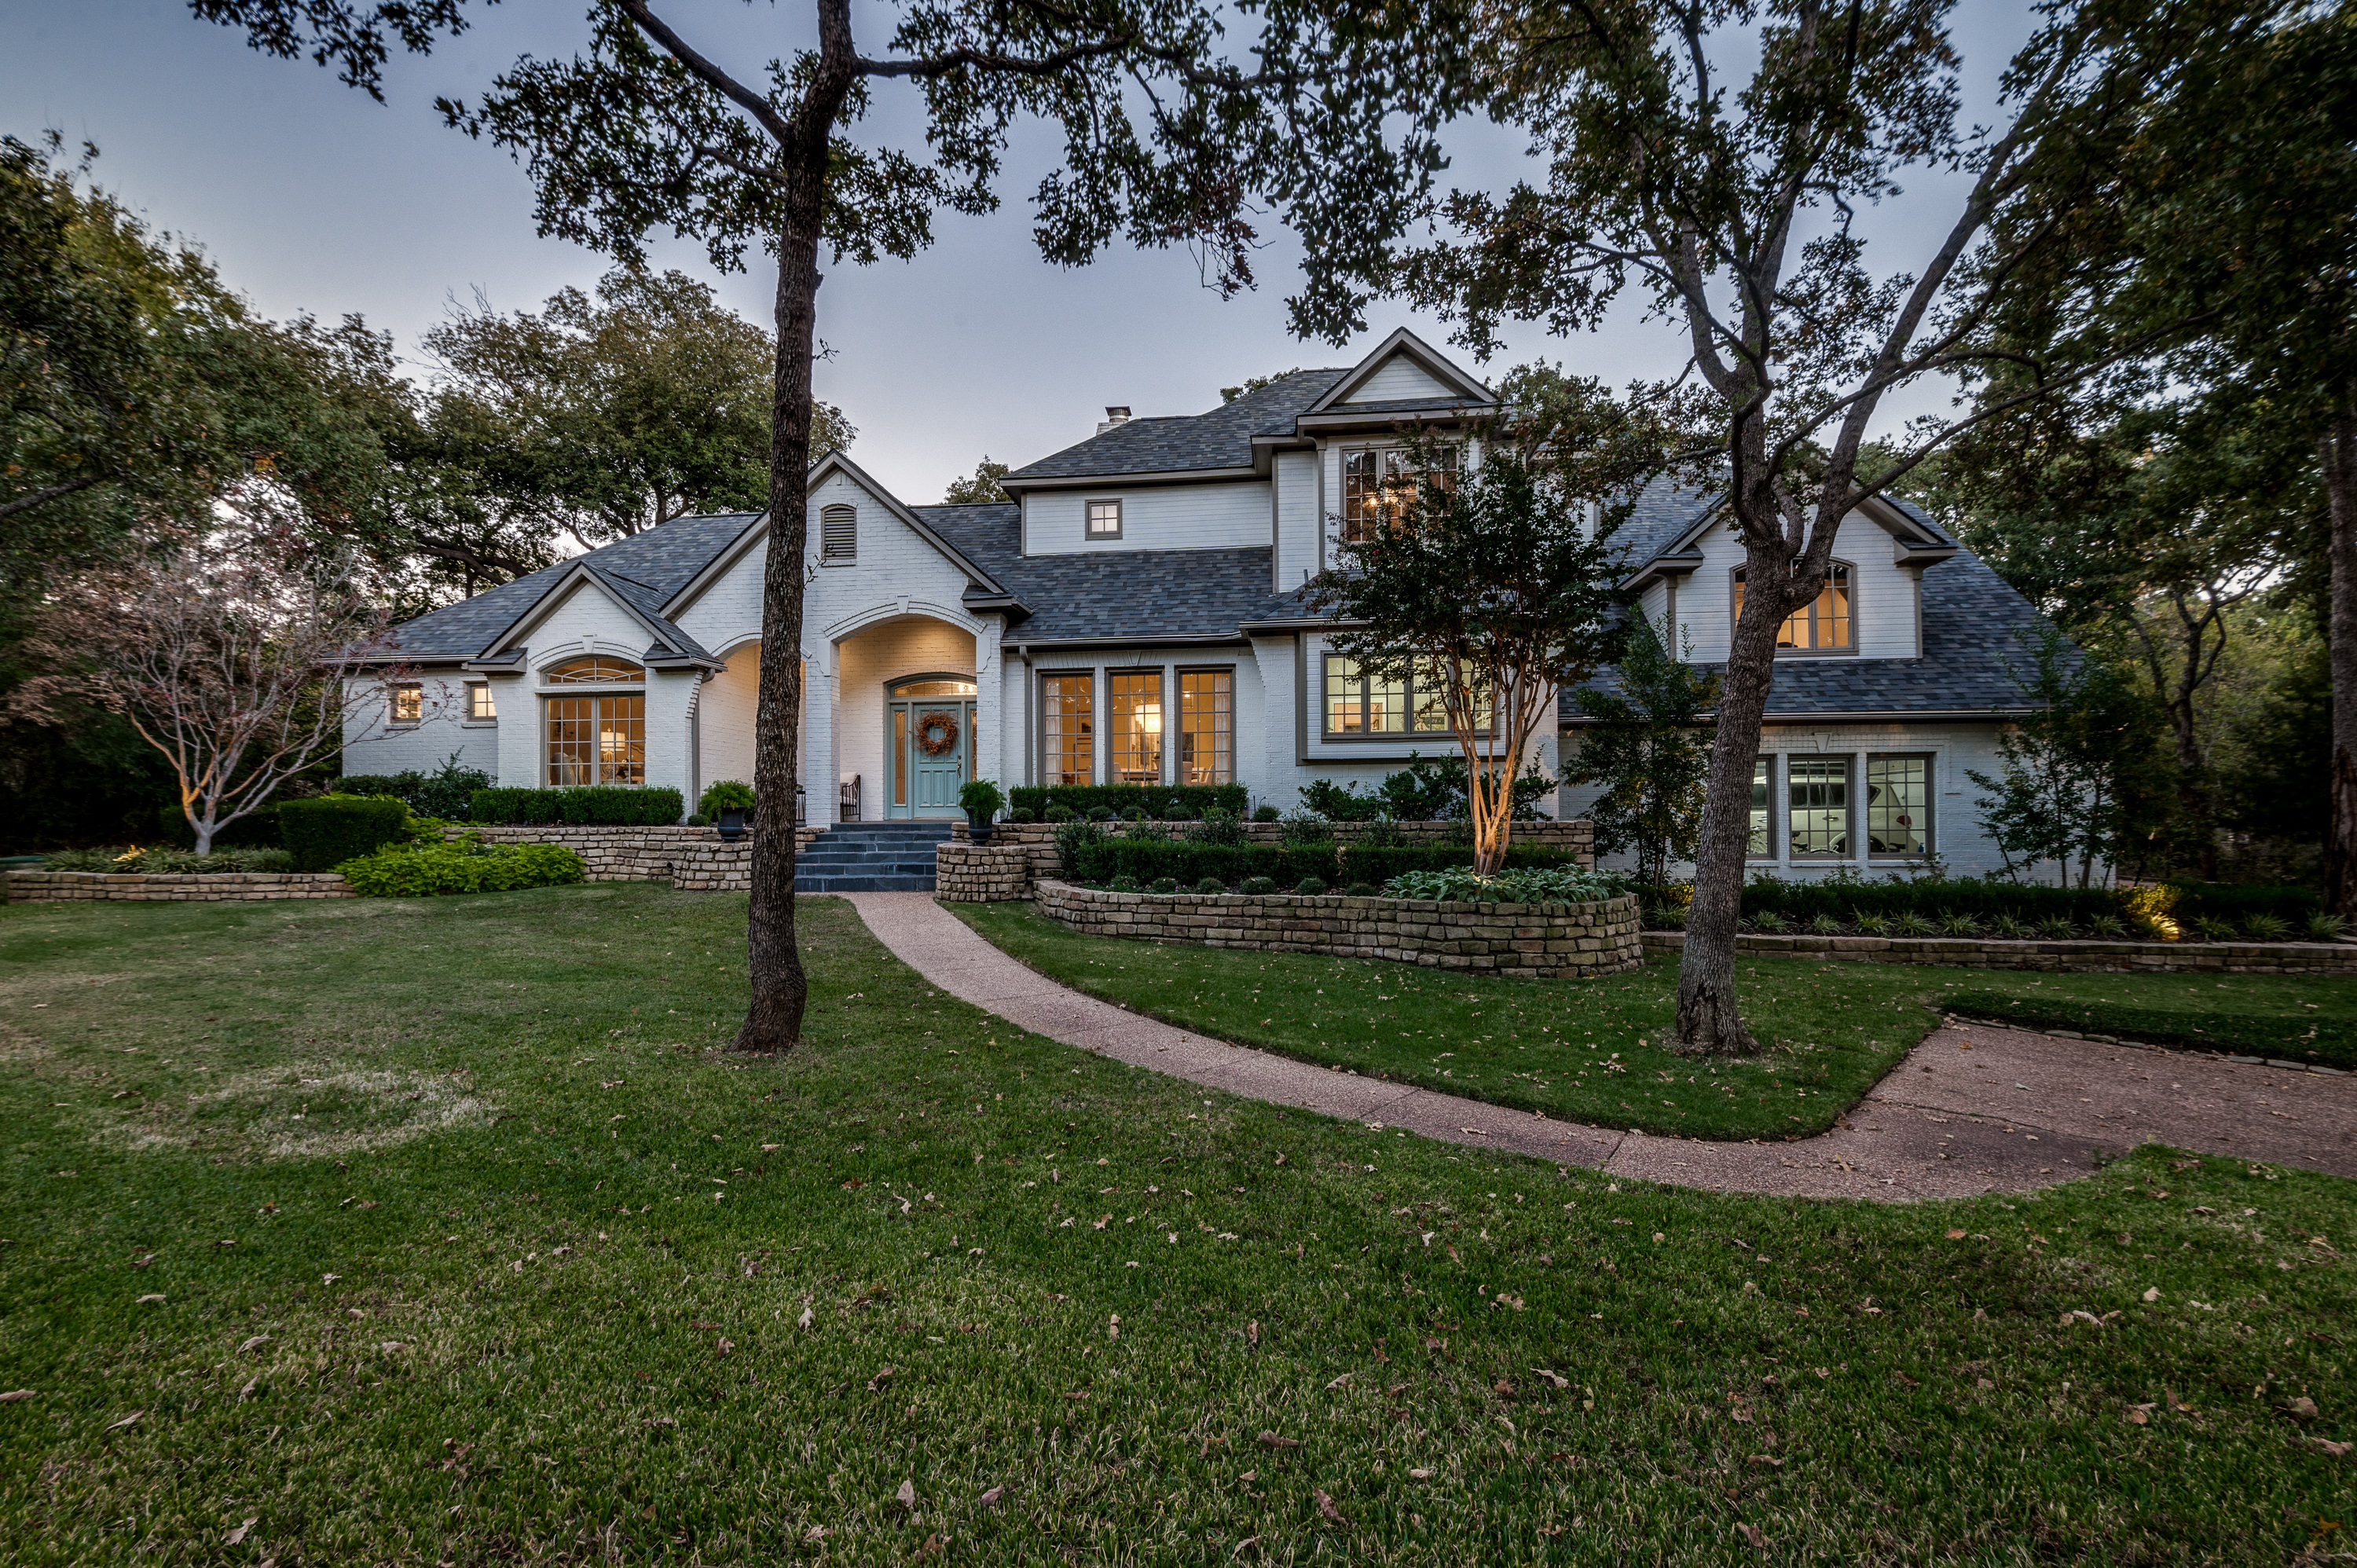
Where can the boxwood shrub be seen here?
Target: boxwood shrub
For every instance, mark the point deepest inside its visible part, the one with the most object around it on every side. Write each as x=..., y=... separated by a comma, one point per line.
x=324, y=833
x=580, y=805
x=1191, y=863
x=1155, y=799
x=1800, y=903
x=1380, y=865
x=423, y=870
x=2331, y=1042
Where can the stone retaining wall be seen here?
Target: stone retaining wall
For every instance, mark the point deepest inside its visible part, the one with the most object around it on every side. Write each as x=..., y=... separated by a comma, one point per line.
x=1039, y=838
x=1520, y=940
x=191, y=887
x=981, y=873
x=632, y=853
x=2081, y=957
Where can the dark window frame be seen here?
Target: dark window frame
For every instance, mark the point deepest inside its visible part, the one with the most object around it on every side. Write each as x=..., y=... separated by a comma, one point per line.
x=1846, y=570
x=1089, y=531
x=1930, y=828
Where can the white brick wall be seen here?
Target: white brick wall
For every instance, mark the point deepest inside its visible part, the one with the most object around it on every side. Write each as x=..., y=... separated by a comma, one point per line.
x=373, y=746
x=1882, y=596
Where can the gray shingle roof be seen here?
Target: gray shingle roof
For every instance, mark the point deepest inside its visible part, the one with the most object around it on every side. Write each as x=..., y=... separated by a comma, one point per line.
x=1218, y=439
x=646, y=569
x=1973, y=625
x=1110, y=594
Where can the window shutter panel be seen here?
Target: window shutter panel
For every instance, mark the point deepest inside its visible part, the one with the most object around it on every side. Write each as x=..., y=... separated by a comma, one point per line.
x=838, y=534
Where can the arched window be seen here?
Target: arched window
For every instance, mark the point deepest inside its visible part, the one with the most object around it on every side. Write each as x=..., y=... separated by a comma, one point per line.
x=595, y=670
x=838, y=532
x=1823, y=625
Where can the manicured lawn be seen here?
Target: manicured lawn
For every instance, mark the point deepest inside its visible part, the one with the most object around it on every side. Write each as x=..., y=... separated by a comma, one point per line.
x=1586, y=1050
x=472, y=1247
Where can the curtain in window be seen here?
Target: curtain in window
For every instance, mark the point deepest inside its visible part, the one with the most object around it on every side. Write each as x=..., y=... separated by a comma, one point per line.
x=1136, y=703
x=1068, y=728
x=1207, y=700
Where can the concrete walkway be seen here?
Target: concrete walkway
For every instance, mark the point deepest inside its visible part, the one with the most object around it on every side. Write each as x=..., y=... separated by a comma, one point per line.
x=1969, y=1111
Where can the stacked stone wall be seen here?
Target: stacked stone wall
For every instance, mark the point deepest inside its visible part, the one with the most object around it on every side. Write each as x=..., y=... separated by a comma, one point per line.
x=2070, y=955
x=981, y=873
x=683, y=856
x=191, y=887
x=1519, y=940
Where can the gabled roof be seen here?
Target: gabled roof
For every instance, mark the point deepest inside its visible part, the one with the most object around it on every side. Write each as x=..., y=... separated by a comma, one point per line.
x=1462, y=388
x=1221, y=440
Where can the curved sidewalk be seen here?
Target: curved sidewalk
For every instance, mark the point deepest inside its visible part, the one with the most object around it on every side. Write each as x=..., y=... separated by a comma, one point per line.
x=1969, y=1111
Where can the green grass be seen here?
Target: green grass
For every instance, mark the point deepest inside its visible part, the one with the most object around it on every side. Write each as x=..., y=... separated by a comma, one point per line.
x=428, y=1193
x=1588, y=1050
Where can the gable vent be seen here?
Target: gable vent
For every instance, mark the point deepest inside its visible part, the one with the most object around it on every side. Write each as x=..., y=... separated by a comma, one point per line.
x=838, y=532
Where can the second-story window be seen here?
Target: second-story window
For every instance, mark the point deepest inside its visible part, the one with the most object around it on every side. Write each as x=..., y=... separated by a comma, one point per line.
x=1382, y=481
x=1104, y=520
x=838, y=532
x=1824, y=623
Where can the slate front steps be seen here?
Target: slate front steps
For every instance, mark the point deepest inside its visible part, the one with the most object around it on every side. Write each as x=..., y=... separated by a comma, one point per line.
x=871, y=857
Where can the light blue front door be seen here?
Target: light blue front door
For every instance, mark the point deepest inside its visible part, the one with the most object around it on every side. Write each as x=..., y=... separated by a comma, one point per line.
x=930, y=750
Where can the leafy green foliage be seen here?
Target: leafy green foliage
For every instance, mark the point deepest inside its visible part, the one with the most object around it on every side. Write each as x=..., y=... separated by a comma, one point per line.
x=466, y=866
x=324, y=832
x=982, y=797
x=580, y=805
x=1159, y=801
x=444, y=793
x=1514, y=884
x=1428, y=789
x=1191, y=863
x=726, y=795
x=1647, y=744
x=980, y=487
x=152, y=859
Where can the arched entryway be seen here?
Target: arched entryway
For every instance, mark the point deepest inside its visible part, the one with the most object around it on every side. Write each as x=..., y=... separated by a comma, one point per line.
x=929, y=735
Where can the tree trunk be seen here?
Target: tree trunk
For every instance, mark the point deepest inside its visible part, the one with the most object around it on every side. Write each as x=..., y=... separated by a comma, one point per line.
x=773, y=1016
x=2338, y=450
x=1709, y=1022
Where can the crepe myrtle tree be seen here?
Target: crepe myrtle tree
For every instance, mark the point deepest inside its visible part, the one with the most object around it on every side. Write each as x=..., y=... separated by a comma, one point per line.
x=1726, y=205
x=1165, y=141
x=1486, y=583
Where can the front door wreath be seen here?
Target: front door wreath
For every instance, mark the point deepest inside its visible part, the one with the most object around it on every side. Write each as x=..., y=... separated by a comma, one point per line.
x=937, y=734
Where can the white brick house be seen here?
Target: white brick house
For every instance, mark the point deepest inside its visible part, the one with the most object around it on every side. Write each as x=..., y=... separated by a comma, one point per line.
x=1134, y=613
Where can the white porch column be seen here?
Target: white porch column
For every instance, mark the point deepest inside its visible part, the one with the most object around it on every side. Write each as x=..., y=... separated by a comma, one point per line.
x=822, y=790
x=670, y=695
x=521, y=765
x=990, y=709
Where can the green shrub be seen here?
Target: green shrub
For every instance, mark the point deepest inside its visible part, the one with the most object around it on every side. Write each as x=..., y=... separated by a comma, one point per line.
x=1193, y=861
x=1381, y=833
x=1509, y=886
x=1061, y=813
x=1166, y=885
x=1956, y=925
x=1156, y=801
x=1022, y=814
x=1769, y=921
x=1074, y=835
x=2332, y=1042
x=2266, y=927
x=2009, y=927
x=1264, y=813
x=1100, y=813
x=2324, y=928
x=982, y=798
x=2211, y=928
x=1218, y=827
x=725, y=795
x=1210, y=884
x=1309, y=887
x=2106, y=927
x=580, y=805
x=1912, y=923
x=1378, y=865
x=466, y=866
x=324, y=833
x=441, y=793
x=1305, y=828
x=2057, y=928
x=1124, y=885
x=152, y=860
x=1256, y=886
x=256, y=830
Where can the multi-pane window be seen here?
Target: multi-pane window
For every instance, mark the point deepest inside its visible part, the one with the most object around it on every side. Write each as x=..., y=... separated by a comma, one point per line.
x=838, y=532
x=598, y=739
x=595, y=670
x=407, y=704
x=1817, y=811
x=1898, y=805
x=478, y=702
x=1068, y=727
x=1104, y=520
x=1825, y=622
x=1380, y=482
x=1359, y=704
x=1135, y=705
x=1207, y=726
x=1763, y=776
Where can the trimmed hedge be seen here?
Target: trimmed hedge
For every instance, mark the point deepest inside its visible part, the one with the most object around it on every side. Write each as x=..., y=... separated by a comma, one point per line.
x=322, y=834
x=1801, y=902
x=256, y=829
x=441, y=793
x=1155, y=799
x=1190, y=863
x=2332, y=1042
x=2237, y=901
x=580, y=805
x=1380, y=865
x=419, y=871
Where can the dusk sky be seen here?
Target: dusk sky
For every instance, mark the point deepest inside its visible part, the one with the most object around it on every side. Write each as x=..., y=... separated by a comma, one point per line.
x=312, y=198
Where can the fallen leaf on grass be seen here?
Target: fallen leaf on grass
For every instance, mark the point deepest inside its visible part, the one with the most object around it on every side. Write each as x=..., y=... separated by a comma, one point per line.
x=989, y=1499
x=237, y=1536
x=1750, y=1533
x=1340, y=1382
x=2331, y=1450
x=13, y=1395
x=2301, y=1409
x=1252, y=1331
x=126, y=1421
x=804, y=1320
x=1554, y=1379
x=2140, y=1414
x=660, y=1420
x=246, y=1392
x=1271, y=1440
x=145, y=1300
x=907, y=1496
x=1420, y=1473
x=2153, y=1294
x=1955, y=1235
x=880, y=1379
x=1768, y=1459
x=1326, y=1509
x=932, y=1546
x=254, y=1344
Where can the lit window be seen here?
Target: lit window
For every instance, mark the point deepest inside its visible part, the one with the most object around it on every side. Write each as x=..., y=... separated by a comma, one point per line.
x=1825, y=622
x=1762, y=781
x=408, y=704
x=1818, y=788
x=838, y=532
x=1068, y=728
x=597, y=740
x=1358, y=705
x=1207, y=726
x=1104, y=520
x=596, y=671
x=478, y=702
x=1898, y=805
x=1380, y=482
x=1136, y=702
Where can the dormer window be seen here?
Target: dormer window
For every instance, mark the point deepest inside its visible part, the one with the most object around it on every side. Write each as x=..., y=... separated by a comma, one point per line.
x=838, y=534
x=1382, y=481
x=1824, y=625
x=1104, y=520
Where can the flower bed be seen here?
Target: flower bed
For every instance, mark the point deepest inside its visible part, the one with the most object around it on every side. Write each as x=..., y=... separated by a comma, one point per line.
x=1517, y=940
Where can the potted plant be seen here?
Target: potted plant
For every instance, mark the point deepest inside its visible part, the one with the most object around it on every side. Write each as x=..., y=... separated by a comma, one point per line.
x=728, y=801
x=980, y=799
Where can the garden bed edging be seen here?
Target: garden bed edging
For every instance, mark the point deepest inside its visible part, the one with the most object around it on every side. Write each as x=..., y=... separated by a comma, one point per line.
x=2075, y=955
x=172, y=887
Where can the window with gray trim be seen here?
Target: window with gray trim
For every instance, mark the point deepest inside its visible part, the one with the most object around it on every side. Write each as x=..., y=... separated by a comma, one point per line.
x=1827, y=624
x=1762, y=842
x=1104, y=520
x=1899, y=806
x=1817, y=793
